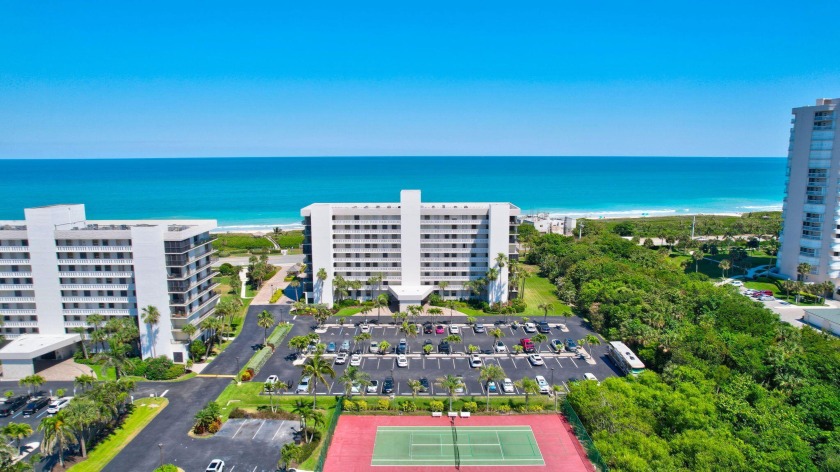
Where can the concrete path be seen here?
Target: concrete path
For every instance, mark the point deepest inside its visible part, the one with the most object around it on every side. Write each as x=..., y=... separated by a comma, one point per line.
x=65, y=370
x=275, y=259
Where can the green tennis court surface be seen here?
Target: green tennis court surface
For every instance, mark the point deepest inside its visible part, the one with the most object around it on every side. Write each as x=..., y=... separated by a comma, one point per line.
x=461, y=445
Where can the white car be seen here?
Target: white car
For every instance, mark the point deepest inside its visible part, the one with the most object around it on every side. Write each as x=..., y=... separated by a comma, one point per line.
x=303, y=386
x=402, y=361
x=475, y=361
x=373, y=387
x=500, y=347
x=374, y=347
x=272, y=379
x=590, y=376
x=530, y=328
x=453, y=329
x=461, y=388
x=507, y=386
x=364, y=327
x=217, y=465
x=737, y=283
x=544, y=387
x=767, y=298
x=355, y=360
x=356, y=388
x=535, y=359
x=58, y=405
x=563, y=327
x=341, y=358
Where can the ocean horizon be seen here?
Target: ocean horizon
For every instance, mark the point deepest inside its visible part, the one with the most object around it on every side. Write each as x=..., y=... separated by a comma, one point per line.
x=251, y=194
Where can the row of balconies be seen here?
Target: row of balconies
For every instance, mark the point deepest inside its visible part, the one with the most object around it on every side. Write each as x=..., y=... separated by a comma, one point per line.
x=15, y=261
x=194, y=297
x=95, y=261
x=93, y=248
x=180, y=287
x=180, y=247
x=96, y=274
x=16, y=286
x=14, y=249
x=94, y=287
x=95, y=299
x=185, y=313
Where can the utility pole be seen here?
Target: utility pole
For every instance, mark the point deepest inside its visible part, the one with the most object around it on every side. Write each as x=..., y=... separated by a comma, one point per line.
x=693, y=222
x=580, y=230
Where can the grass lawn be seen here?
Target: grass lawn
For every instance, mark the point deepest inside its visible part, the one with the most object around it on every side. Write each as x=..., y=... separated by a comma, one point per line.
x=145, y=410
x=348, y=311
x=539, y=291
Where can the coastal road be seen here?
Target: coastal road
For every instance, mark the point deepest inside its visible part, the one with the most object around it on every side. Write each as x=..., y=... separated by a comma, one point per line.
x=272, y=259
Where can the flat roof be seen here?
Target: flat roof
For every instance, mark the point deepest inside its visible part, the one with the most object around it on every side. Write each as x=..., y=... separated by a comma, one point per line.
x=411, y=291
x=830, y=314
x=30, y=346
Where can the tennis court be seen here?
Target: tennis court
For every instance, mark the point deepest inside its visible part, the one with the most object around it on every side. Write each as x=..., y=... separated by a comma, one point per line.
x=455, y=445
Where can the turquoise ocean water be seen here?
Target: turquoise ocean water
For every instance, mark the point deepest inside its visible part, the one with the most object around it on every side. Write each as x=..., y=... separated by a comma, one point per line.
x=250, y=193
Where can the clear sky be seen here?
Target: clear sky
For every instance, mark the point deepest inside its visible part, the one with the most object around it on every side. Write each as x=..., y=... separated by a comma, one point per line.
x=205, y=78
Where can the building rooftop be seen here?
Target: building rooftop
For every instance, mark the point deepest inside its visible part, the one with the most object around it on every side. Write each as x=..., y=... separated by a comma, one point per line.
x=30, y=346
x=830, y=314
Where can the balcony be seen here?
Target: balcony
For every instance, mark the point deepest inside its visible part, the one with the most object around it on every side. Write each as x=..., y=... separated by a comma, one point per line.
x=96, y=274
x=195, y=297
x=28, y=311
x=367, y=259
x=15, y=262
x=94, y=287
x=101, y=311
x=93, y=248
x=16, y=300
x=181, y=261
x=176, y=287
x=96, y=261
x=16, y=274
x=14, y=249
x=366, y=231
x=185, y=314
x=20, y=324
x=178, y=248
x=95, y=299
x=16, y=286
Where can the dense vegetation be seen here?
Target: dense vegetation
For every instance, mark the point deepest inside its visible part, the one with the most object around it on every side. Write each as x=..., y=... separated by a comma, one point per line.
x=731, y=387
x=763, y=223
x=244, y=243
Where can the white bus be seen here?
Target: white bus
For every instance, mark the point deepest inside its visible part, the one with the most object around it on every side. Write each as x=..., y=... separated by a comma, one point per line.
x=624, y=358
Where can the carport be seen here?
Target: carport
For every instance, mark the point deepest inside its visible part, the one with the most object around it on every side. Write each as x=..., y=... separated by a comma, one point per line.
x=19, y=355
x=408, y=295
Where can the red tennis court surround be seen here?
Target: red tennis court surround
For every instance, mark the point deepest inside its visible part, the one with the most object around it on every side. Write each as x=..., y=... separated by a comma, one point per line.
x=351, y=449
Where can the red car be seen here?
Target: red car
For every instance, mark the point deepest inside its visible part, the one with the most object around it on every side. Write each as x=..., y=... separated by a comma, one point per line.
x=439, y=329
x=527, y=344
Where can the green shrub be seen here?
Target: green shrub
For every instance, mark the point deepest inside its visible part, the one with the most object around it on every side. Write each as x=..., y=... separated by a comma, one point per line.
x=136, y=366
x=436, y=405
x=175, y=371
x=158, y=368
x=535, y=407
x=227, y=269
x=349, y=405
x=167, y=468
x=383, y=404
x=307, y=449
x=505, y=409
x=276, y=295
x=408, y=405
x=197, y=349
x=470, y=406
x=518, y=305
x=361, y=405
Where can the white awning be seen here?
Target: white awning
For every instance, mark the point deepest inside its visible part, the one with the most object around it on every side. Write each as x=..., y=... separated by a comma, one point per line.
x=30, y=346
x=411, y=293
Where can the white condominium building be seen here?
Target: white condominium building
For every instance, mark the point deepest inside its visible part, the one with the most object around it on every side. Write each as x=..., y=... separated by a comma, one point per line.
x=811, y=214
x=416, y=248
x=57, y=268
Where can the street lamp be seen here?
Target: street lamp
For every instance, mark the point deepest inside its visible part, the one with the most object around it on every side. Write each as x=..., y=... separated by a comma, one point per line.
x=237, y=364
x=552, y=376
x=160, y=445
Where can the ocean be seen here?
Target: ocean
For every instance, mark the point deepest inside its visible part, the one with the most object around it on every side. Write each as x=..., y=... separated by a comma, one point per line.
x=260, y=193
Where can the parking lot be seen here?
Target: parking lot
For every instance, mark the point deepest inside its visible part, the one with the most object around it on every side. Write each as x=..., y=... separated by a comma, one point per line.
x=558, y=367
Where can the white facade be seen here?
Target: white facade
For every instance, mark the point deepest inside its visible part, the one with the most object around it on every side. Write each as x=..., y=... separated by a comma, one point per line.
x=57, y=268
x=811, y=215
x=547, y=225
x=414, y=246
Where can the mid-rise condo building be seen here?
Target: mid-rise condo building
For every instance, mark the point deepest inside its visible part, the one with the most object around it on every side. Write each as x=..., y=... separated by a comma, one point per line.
x=57, y=268
x=409, y=249
x=811, y=214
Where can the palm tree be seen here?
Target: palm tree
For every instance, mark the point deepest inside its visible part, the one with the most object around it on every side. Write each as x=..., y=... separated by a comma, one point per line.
x=375, y=281
x=80, y=414
x=590, y=340
x=57, y=435
x=32, y=381
x=295, y=283
x=322, y=277
x=415, y=387
x=435, y=312
x=302, y=409
x=450, y=383
x=380, y=301
x=85, y=381
x=410, y=329
x=265, y=320
x=212, y=325
x=360, y=338
x=442, y=286
x=724, y=265
x=151, y=316
x=451, y=305
x=290, y=454
x=82, y=332
x=488, y=373
x=17, y=431
x=351, y=376
x=697, y=255
x=497, y=334
x=317, y=369
x=546, y=307
x=95, y=321
x=116, y=357
x=802, y=270
x=539, y=338
x=492, y=276
x=272, y=387
x=189, y=329
x=528, y=386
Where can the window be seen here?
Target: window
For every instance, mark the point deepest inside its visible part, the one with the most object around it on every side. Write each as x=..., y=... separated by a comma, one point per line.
x=808, y=252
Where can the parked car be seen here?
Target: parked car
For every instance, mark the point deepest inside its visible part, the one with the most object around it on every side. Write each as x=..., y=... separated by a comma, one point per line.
x=527, y=344
x=563, y=327
x=12, y=405
x=388, y=385
x=364, y=327
x=424, y=384
x=356, y=360
x=373, y=387
x=402, y=347
x=590, y=376
x=500, y=346
x=544, y=387
x=402, y=361
x=462, y=387
x=303, y=386
x=767, y=298
x=557, y=345
x=341, y=358
x=35, y=406
x=374, y=347
x=272, y=379
x=331, y=347
x=428, y=342
x=479, y=328
x=444, y=348
x=475, y=361
x=737, y=283
x=543, y=327
x=439, y=329
x=530, y=328
x=345, y=346
x=58, y=405
x=507, y=386
x=454, y=329
x=535, y=359
x=491, y=387
x=216, y=465
x=428, y=327
x=356, y=388
x=571, y=345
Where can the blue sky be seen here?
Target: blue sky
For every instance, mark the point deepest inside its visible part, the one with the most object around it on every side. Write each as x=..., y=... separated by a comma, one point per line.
x=204, y=78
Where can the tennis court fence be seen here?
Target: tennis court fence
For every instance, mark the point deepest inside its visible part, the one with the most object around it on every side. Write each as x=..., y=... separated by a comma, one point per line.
x=582, y=436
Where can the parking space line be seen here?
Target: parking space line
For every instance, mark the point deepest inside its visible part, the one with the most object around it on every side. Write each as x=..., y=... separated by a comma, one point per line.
x=278, y=431
x=573, y=362
x=558, y=361
x=258, y=430
x=513, y=360
x=237, y=431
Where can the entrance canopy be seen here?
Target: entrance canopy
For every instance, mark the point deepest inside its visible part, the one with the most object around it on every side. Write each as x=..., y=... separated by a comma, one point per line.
x=410, y=294
x=17, y=356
